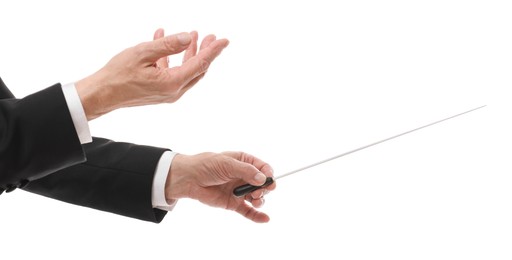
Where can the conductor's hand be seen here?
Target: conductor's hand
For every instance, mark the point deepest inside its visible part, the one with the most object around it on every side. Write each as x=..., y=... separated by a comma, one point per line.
x=210, y=178
x=140, y=75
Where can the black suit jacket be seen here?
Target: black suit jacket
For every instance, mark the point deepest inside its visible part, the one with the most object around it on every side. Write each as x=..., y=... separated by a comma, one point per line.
x=40, y=152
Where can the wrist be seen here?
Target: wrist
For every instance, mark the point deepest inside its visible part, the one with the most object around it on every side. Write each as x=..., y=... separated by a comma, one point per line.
x=176, y=184
x=94, y=95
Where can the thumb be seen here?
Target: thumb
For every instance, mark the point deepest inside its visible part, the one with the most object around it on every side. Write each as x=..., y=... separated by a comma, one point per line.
x=172, y=44
x=246, y=172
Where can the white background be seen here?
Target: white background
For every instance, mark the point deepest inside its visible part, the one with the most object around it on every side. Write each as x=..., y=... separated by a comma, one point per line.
x=301, y=81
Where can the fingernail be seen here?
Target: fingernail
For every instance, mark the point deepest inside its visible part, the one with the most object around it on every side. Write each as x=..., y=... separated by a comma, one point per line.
x=260, y=177
x=184, y=38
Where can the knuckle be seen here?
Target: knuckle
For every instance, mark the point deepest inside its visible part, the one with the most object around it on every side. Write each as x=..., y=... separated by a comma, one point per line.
x=204, y=64
x=169, y=44
x=221, y=164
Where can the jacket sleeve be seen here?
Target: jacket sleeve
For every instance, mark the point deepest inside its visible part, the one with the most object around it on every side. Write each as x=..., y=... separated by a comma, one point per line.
x=37, y=137
x=117, y=178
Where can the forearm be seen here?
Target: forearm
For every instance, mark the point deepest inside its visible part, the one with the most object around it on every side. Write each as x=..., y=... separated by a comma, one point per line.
x=117, y=178
x=29, y=129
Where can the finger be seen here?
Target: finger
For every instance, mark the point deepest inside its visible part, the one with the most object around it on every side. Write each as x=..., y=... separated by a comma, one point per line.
x=192, y=48
x=252, y=214
x=163, y=47
x=258, y=203
x=159, y=33
x=256, y=194
x=162, y=62
x=262, y=191
x=251, y=159
x=233, y=169
x=270, y=188
x=200, y=63
x=207, y=41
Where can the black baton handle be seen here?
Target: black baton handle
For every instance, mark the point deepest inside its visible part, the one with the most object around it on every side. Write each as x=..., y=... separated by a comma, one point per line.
x=248, y=188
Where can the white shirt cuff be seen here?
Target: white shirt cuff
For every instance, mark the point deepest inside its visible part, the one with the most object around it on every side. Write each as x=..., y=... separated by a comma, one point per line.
x=76, y=110
x=158, y=192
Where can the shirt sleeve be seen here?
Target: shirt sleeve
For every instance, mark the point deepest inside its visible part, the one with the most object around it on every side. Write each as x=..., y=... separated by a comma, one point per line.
x=77, y=113
x=161, y=173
